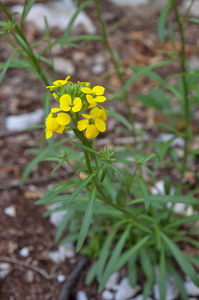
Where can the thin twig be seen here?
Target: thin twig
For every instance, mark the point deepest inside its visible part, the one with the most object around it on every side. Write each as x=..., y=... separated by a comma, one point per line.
x=72, y=278
x=27, y=265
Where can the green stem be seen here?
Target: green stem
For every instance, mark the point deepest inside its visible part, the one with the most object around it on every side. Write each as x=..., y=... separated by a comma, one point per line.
x=29, y=51
x=183, y=68
x=117, y=69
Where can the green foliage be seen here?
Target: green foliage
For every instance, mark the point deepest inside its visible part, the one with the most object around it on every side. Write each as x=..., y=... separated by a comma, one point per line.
x=111, y=214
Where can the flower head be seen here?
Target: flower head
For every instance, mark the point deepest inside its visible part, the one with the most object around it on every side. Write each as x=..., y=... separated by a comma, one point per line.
x=92, y=123
x=56, y=121
x=100, y=111
x=67, y=104
x=58, y=83
x=95, y=95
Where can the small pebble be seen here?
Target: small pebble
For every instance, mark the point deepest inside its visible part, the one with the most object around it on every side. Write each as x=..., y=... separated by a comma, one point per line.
x=10, y=211
x=24, y=252
x=191, y=288
x=125, y=290
x=112, y=282
x=98, y=69
x=29, y=276
x=5, y=269
x=61, y=278
x=107, y=295
x=81, y=295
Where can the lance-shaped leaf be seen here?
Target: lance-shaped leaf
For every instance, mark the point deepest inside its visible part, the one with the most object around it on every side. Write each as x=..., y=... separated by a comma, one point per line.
x=145, y=193
x=121, y=175
x=87, y=219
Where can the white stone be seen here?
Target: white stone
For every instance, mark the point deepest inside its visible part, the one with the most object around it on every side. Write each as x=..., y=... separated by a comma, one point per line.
x=58, y=15
x=24, y=252
x=64, y=251
x=63, y=65
x=140, y=297
x=165, y=137
x=191, y=288
x=5, y=269
x=112, y=282
x=98, y=69
x=131, y=3
x=194, y=62
x=125, y=290
x=107, y=295
x=21, y=122
x=57, y=217
x=61, y=278
x=81, y=295
x=67, y=251
x=172, y=291
x=159, y=189
x=10, y=211
x=194, y=12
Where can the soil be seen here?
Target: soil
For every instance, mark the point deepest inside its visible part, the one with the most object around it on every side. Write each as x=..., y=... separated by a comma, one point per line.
x=21, y=92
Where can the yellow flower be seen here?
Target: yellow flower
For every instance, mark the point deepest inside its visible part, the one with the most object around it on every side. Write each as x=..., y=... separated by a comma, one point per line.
x=87, y=84
x=56, y=121
x=93, y=124
x=100, y=112
x=66, y=103
x=57, y=84
x=95, y=95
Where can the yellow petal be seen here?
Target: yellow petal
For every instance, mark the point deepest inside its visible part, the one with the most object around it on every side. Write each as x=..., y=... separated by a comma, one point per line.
x=76, y=108
x=77, y=101
x=65, y=102
x=92, y=131
x=51, y=123
x=103, y=116
x=98, y=90
x=63, y=118
x=96, y=112
x=91, y=100
x=61, y=129
x=48, y=134
x=100, y=98
x=101, y=126
x=86, y=116
x=86, y=90
x=55, y=109
x=83, y=124
x=52, y=87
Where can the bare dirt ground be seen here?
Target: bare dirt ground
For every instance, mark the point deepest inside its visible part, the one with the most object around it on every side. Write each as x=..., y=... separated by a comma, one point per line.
x=21, y=92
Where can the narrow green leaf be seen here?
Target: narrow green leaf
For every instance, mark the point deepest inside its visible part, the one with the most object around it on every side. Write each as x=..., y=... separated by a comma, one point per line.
x=85, y=148
x=121, y=175
x=57, y=167
x=82, y=185
x=181, y=221
x=132, y=270
x=31, y=165
x=193, y=20
x=91, y=274
x=162, y=275
x=179, y=282
x=152, y=155
x=148, y=170
x=124, y=258
x=87, y=219
x=145, y=192
x=148, y=285
x=114, y=258
x=162, y=21
x=26, y=10
x=63, y=225
x=120, y=118
x=68, y=28
x=143, y=71
x=6, y=66
x=104, y=253
x=182, y=260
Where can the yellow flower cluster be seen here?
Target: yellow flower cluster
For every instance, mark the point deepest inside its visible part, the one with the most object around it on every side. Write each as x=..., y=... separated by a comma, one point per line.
x=74, y=99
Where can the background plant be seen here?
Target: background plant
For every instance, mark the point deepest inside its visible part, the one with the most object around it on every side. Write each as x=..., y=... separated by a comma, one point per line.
x=132, y=227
